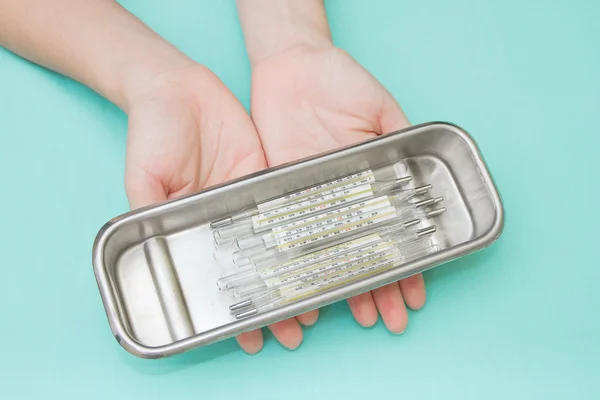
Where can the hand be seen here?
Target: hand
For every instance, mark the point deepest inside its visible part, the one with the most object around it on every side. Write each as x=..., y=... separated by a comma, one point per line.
x=307, y=100
x=187, y=131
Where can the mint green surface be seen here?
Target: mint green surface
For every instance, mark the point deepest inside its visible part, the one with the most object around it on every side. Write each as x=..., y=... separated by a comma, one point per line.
x=518, y=320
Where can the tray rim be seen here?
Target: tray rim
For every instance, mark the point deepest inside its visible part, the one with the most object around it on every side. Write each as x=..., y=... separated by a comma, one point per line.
x=140, y=350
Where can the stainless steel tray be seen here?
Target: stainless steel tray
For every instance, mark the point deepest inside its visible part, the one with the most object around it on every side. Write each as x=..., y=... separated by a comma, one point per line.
x=155, y=267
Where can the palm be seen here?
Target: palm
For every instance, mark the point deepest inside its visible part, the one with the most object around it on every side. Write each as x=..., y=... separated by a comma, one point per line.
x=184, y=137
x=305, y=102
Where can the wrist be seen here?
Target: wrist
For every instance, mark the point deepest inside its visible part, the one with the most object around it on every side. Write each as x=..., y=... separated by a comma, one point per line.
x=129, y=55
x=272, y=27
x=140, y=76
x=301, y=42
x=181, y=80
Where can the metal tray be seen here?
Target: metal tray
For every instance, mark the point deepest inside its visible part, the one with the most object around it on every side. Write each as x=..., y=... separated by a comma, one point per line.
x=157, y=274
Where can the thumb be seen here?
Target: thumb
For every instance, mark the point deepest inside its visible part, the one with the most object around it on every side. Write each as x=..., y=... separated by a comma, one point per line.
x=392, y=117
x=143, y=189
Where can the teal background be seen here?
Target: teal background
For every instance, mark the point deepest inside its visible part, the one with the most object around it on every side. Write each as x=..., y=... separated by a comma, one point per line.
x=518, y=320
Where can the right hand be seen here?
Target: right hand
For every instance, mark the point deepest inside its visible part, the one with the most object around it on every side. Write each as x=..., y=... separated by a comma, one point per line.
x=187, y=131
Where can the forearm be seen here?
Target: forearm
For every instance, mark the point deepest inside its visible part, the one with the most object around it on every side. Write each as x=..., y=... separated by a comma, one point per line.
x=97, y=43
x=273, y=26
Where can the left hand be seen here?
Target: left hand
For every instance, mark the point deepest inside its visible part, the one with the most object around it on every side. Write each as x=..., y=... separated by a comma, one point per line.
x=307, y=100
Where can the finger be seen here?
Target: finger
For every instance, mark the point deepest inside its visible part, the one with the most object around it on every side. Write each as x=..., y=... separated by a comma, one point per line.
x=391, y=306
x=363, y=309
x=251, y=342
x=309, y=318
x=413, y=291
x=143, y=189
x=392, y=117
x=288, y=333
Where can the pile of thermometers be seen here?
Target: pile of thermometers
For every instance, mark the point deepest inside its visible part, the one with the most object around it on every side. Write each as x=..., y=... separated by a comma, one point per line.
x=321, y=237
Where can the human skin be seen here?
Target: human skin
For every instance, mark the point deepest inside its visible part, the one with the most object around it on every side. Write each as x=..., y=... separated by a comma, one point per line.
x=186, y=130
x=309, y=96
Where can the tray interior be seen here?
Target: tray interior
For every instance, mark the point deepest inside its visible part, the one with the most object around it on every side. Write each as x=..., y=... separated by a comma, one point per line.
x=161, y=263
